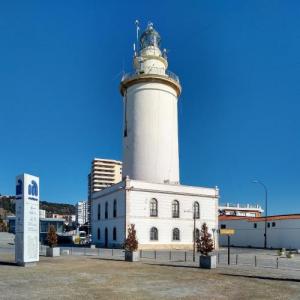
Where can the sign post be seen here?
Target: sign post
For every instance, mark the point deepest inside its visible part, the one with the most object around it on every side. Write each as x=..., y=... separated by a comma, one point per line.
x=227, y=232
x=27, y=220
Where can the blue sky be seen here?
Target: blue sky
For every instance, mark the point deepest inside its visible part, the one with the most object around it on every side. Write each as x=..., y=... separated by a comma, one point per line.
x=239, y=66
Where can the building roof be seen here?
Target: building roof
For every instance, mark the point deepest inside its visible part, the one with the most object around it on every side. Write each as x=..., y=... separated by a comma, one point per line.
x=226, y=217
x=260, y=219
x=41, y=219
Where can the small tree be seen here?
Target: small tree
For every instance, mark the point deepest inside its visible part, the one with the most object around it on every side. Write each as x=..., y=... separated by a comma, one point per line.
x=52, y=237
x=131, y=243
x=205, y=244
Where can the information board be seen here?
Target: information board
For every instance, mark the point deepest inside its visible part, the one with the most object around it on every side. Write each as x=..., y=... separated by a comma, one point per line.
x=227, y=231
x=27, y=219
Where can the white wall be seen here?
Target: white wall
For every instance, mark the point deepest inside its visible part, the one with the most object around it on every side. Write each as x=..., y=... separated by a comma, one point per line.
x=137, y=210
x=285, y=234
x=140, y=194
x=151, y=145
x=111, y=222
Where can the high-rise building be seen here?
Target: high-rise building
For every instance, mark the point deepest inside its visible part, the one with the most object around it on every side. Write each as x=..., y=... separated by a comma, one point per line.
x=82, y=212
x=165, y=213
x=104, y=173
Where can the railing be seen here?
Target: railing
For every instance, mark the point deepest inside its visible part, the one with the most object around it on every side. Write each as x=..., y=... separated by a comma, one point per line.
x=261, y=261
x=152, y=71
x=238, y=205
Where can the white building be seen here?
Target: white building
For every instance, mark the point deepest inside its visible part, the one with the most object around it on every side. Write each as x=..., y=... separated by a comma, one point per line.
x=283, y=231
x=240, y=210
x=104, y=173
x=150, y=195
x=42, y=213
x=81, y=212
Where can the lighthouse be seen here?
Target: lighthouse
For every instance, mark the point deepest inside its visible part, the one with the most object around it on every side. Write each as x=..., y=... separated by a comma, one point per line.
x=150, y=95
x=166, y=214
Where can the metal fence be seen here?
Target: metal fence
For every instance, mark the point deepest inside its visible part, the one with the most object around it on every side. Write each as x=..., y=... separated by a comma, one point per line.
x=183, y=258
x=261, y=261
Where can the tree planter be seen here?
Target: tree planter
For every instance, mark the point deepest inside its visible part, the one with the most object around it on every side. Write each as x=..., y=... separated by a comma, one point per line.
x=52, y=252
x=208, y=261
x=132, y=255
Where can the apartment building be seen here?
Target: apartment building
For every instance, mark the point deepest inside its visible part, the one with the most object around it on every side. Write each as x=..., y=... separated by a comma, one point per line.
x=81, y=212
x=104, y=173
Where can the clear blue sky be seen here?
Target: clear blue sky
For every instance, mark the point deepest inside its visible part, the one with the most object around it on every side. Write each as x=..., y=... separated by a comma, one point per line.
x=239, y=64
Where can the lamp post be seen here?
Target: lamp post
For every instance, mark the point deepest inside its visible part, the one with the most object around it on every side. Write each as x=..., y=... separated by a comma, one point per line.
x=266, y=208
x=194, y=233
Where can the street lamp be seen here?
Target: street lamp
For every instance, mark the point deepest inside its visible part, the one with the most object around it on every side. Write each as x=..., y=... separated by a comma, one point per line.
x=266, y=208
x=194, y=234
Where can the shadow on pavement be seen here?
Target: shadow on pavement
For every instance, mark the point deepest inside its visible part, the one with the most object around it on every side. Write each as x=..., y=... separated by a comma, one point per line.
x=171, y=265
x=7, y=263
x=262, y=277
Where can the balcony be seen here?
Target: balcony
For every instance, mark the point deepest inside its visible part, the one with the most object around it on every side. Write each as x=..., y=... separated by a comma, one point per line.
x=155, y=74
x=153, y=71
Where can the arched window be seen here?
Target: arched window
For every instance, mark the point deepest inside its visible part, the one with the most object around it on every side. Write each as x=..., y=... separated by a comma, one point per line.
x=115, y=208
x=197, y=234
x=176, y=234
x=175, y=209
x=106, y=210
x=99, y=211
x=98, y=233
x=196, y=210
x=115, y=234
x=153, y=208
x=153, y=234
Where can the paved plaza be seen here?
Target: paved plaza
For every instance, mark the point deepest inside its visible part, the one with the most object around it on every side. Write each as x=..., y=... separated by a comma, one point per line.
x=73, y=277
x=103, y=274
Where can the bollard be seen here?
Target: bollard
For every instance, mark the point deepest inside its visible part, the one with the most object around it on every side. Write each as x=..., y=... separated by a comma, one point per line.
x=218, y=257
x=185, y=256
x=141, y=254
x=170, y=255
x=155, y=254
x=277, y=262
x=236, y=259
x=255, y=261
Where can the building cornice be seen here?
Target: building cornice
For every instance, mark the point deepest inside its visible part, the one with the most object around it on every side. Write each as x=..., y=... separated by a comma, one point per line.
x=172, y=192
x=146, y=78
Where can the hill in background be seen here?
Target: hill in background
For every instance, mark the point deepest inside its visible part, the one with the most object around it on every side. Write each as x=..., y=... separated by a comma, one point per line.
x=7, y=207
x=57, y=208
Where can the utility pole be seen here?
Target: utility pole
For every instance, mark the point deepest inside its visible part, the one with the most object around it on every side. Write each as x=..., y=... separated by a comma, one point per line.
x=266, y=209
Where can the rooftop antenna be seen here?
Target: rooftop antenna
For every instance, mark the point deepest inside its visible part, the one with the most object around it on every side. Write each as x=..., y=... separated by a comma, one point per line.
x=135, y=47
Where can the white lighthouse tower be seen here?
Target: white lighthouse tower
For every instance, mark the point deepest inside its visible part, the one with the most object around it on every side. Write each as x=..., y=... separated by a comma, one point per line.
x=166, y=214
x=150, y=119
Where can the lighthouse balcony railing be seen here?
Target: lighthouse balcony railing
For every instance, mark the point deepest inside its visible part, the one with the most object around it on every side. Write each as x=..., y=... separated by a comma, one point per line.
x=154, y=71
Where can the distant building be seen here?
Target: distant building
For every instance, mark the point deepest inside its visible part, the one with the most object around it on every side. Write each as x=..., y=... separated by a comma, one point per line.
x=69, y=219
x=240, y=210
x=45, y=223
x=104, y=173
x=42, y=214
x=82, y=212
x=283, y=231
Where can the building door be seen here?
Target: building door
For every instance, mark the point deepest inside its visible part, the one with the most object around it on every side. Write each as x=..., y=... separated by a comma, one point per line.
x=106, y=238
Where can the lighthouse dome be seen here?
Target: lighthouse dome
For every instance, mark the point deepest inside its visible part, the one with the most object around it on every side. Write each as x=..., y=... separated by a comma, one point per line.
x=150, y=37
